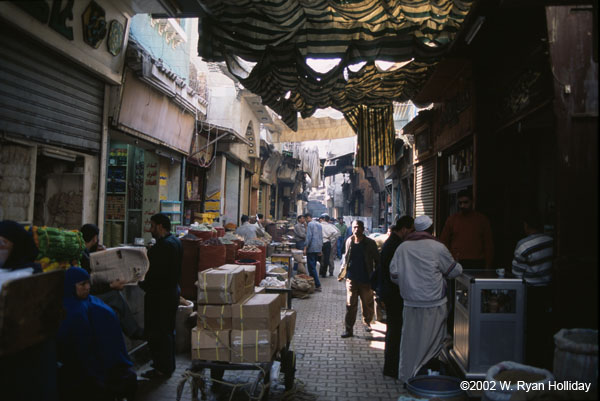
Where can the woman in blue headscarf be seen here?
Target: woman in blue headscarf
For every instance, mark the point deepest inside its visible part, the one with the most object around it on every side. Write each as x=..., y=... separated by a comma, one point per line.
x=91, y=346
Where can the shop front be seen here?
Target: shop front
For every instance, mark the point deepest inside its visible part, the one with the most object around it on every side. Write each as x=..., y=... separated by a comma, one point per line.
x=152, y=126
x=142, y=179
x=52, y=111
x=197, y=164
x=444, y=143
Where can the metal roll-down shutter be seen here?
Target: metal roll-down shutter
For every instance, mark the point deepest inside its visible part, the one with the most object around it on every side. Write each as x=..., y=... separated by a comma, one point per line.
x=425, y=188
x=47, y=97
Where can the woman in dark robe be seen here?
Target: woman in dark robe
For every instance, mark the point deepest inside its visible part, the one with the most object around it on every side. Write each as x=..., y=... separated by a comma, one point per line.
x=95, y=364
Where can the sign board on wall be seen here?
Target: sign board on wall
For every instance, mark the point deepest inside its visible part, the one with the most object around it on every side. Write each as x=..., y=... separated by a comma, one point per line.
x=151, y=203
x=93, y=34
x=151, y=115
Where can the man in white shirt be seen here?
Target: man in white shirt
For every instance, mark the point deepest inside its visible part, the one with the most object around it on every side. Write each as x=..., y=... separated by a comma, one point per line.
x=330, y=234
x=249, y=230
x=419, y=267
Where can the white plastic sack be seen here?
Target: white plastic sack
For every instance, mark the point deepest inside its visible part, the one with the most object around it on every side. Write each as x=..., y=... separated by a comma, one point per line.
x=128, y=263
x=576, y=355
x=503, y=394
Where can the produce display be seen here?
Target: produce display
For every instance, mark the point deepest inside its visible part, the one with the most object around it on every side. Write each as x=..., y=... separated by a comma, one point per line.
x=211, y=253
x=58, y=248
x=212, y=241
x=202, y=227
x=232, y=236
x=256, y=242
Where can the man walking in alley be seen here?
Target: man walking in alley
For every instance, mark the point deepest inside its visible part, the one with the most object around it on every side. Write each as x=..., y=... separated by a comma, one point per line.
x=360, y=260
x=313, y=248
x=341, y=226
x=330, y=234
x=162, y=296
x=389, y=293
x=419, y=268
x=300, y=232
x=468, y=235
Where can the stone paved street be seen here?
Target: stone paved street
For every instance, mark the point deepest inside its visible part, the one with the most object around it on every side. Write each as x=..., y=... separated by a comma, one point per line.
x=328, y=367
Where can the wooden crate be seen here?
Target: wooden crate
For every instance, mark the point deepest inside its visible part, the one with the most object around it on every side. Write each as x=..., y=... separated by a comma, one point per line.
x=30, y=310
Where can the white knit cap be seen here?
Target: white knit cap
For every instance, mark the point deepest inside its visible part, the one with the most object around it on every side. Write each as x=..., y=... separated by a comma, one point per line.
x=422, y=223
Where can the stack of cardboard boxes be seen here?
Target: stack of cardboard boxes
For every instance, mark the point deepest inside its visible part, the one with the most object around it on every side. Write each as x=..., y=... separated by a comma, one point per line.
x=236, y=324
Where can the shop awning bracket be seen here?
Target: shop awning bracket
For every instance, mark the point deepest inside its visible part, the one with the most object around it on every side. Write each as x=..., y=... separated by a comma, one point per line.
x=221, y=136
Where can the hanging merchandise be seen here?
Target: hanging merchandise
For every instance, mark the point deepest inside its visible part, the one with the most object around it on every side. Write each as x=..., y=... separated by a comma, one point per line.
x=376, y=134
x=311, y=164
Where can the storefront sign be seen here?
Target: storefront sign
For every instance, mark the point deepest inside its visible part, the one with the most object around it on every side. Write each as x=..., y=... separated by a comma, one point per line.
x=150, y=205
x=153, y=116
x=454, y=107
x=94, y=24
x=116, y=34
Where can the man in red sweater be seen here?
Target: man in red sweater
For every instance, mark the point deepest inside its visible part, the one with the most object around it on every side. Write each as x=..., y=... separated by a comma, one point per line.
x=468, y=235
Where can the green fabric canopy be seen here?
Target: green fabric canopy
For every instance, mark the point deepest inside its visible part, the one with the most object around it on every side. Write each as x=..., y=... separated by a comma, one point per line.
x=280, y=35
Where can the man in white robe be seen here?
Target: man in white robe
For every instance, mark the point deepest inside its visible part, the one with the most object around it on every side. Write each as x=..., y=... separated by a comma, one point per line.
x=419, y=268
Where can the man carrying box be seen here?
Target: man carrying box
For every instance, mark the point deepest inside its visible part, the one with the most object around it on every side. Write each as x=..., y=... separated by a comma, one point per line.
x=162, y=296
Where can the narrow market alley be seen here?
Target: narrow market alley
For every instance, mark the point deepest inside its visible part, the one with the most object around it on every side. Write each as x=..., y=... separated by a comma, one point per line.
x=178, y=176
x=327, y=367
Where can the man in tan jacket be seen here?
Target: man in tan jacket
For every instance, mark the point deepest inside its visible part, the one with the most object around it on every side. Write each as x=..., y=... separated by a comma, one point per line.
x=359, y=261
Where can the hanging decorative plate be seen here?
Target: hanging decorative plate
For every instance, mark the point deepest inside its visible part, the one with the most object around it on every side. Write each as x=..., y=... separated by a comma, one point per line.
x=116, y=32
x=93, y=22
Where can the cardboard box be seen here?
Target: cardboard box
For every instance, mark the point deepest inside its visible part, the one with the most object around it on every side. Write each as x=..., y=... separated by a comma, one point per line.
x=221, y=286
x=261, y=312
x=215, y=317
x=127, y=263
x=282, y=299
x=289, y=317
x=282, y=332
x=211, y=345
x=253, y=345
x=249, y=273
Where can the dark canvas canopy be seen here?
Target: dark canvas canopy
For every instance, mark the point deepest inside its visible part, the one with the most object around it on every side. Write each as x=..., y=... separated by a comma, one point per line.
x=280, y=35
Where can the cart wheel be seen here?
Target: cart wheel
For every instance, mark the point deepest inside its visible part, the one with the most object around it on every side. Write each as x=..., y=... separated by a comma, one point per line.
x=288, y=365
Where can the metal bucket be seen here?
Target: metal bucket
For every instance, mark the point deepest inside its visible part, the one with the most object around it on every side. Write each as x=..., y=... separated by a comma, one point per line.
x=443, y=387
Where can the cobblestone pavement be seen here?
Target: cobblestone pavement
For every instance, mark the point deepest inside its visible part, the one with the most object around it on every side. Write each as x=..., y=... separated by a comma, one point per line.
x=327, y=367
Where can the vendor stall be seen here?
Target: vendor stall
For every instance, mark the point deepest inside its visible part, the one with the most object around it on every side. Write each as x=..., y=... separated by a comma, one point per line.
x=489, y=319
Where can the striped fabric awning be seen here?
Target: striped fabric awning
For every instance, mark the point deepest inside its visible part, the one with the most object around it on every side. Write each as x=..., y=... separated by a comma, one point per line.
x=279, y=36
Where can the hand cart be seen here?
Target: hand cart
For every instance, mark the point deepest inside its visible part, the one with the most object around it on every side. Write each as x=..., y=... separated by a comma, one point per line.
x=285, y=356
